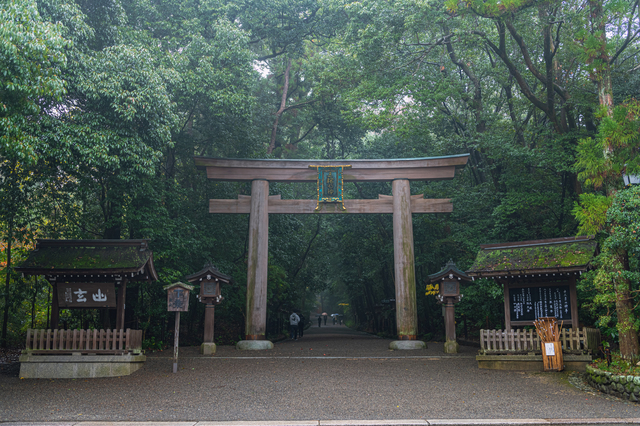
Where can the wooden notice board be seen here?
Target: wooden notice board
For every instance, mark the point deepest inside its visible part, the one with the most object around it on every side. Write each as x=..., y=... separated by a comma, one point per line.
x=525, y=303
x=530, y=303
x=86, y=295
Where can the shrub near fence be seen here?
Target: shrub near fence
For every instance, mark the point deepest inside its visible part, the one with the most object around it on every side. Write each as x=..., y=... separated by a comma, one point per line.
x=580, y=340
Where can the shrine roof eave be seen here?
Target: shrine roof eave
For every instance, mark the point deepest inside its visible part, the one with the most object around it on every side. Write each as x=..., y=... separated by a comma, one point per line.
x=91, y=258
x=451, y=271
x=520, y=273
x=428, y=168
x=550, y=256
x=209, y=270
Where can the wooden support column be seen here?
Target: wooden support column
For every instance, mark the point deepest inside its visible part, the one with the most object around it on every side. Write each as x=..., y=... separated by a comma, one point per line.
x=122, y=292
x=55, y=308
x=573, y=296
x=406, y=306
x=258, y=261
x=450, y=320
x=208, y=322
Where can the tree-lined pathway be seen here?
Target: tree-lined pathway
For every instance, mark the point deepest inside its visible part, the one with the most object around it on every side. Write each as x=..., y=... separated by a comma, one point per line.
x=332, y=373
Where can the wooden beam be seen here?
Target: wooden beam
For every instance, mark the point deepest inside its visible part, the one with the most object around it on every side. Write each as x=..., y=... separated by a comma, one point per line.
x=381, y=205
x=360, y=170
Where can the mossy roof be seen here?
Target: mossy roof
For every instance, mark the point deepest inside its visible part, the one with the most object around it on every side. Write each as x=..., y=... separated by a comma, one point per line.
x=552, y=255
x=58, y=257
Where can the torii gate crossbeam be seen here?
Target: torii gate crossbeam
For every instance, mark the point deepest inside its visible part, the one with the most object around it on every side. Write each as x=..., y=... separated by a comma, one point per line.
x=401, y=204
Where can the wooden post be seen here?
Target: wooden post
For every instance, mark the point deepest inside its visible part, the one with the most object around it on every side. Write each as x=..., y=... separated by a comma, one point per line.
x=208, y=322
x=507, y=311
x=122, y=292
x=258, y=261
x=176, y=336
x=55, y=309
x=575, y=324
x=450, y=320
x=406, y=306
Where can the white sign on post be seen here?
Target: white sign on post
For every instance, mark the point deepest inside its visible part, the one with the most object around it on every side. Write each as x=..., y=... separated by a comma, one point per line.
x=549, y=349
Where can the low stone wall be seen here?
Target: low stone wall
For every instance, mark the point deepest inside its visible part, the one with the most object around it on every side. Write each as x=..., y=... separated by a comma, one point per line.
x=530, y=362
x=627, y=387
x=78, y=366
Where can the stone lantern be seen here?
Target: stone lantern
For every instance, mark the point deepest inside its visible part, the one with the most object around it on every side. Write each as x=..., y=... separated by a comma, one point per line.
x=209, y=279
x=448, y=281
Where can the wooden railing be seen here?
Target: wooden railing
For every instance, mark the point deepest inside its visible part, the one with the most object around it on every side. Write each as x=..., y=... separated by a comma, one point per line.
x=510, y=341
x=105, y=342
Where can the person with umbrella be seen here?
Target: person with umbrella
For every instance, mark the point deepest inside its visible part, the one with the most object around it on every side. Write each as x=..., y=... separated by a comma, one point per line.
x=324, y=314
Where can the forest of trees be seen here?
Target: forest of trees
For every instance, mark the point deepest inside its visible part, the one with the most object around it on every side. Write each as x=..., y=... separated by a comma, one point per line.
x=104, y=104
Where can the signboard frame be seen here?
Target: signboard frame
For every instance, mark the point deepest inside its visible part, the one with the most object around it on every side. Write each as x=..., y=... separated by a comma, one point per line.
x=96, y=295
x=553, y=282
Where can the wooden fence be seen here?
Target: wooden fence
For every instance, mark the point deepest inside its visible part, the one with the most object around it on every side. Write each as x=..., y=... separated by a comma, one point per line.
x=105, y=342
x=514, y=341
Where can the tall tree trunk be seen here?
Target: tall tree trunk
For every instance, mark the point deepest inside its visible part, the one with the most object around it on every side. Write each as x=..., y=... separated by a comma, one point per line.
x=600, y=60
x=7, y=289
x=283, y=104
x=627, y=334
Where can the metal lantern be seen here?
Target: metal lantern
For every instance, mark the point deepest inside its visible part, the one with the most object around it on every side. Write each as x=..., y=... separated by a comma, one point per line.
x=448, y=282
x=209, y=279
x=450, y=287
x=210, y=289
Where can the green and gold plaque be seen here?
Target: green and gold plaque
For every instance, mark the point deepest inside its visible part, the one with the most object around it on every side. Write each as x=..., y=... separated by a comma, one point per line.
x=330, y=184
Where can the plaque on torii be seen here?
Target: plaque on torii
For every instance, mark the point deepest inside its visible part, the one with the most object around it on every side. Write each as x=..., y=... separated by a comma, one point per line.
x=400, y=203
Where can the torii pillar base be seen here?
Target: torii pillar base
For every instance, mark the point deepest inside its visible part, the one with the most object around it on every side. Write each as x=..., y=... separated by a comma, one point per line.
x=451, y=347
x=208, y=348
x=407, y=345
x=254, y=345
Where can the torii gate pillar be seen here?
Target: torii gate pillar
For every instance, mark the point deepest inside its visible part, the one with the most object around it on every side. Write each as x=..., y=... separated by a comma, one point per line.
x=257, y=268
x=405, y=277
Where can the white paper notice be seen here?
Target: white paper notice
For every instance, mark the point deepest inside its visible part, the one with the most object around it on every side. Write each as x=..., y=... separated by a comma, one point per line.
x=549, y=349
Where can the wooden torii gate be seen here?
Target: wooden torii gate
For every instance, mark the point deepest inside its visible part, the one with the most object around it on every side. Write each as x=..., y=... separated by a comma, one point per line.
x=401, y=204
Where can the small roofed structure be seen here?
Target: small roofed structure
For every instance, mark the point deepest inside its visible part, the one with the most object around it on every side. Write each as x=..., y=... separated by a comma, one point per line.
x=209, y=279
x=90, y=273
x=448, y=280
x=86, y=274
x=209, y=274
x=449, y=272
x=539, y=276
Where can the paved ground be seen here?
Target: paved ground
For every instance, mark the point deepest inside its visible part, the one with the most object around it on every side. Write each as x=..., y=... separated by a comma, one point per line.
x=330, y=374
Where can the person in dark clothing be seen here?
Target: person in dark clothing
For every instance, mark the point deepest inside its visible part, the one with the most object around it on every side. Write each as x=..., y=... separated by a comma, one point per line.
x=294, y=319
x=301, y=326
x=325, y=320
x=319, y=321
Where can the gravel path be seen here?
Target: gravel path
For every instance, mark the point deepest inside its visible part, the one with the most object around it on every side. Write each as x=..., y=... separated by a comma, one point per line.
x=331, y=373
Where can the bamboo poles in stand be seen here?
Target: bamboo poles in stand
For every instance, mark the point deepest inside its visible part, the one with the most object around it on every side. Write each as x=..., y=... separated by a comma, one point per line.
x=549, y=334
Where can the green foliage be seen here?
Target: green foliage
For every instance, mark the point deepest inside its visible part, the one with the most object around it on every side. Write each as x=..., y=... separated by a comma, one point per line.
x=617, y=266
x=619, y=365
x=603, y=160
x=32, y=55
x=591, y=212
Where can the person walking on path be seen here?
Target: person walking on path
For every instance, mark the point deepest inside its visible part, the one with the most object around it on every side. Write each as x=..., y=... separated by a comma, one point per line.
x=294, y=319
x=301, y=326
x=319, y=321
x=325, y=320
